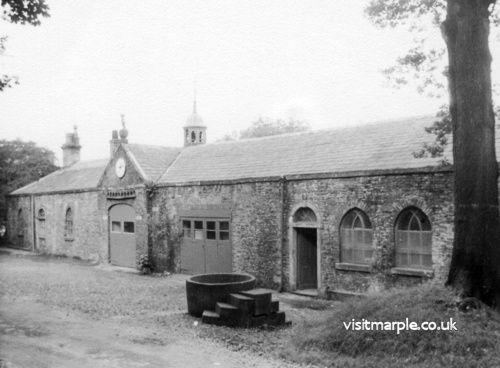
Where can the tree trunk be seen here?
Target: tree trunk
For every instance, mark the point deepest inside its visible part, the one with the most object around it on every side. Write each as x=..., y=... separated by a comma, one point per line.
x=475, y=263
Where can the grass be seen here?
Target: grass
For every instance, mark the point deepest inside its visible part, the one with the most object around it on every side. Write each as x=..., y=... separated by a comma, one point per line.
x=317, y=336
x=72, y=284
x=325, y=342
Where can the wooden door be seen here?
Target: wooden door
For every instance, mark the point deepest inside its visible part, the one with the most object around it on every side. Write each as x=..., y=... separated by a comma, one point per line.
x=306, y=258
x=206, y=246
x=122, y=236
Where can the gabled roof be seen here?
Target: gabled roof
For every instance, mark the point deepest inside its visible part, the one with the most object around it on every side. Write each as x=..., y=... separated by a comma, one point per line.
x=377, y=146
x=365, y=148
x=80, y=176
x=151, y=161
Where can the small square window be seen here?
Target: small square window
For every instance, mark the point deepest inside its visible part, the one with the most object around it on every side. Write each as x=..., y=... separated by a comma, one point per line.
x=198, y=230
x=224, y=230
x=116, y=226
x=211, y=233
x=186, y=228
x=128, y=227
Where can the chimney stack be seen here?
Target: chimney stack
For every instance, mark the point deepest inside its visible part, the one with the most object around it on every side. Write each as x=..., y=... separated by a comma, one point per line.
x=71, y=148
x=114, y=142
x=118, y=137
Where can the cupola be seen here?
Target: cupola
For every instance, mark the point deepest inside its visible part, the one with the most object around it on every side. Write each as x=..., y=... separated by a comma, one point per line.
x=194, y=129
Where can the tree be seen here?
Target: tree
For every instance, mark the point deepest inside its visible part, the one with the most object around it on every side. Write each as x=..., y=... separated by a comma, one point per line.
x=22, y=12
x=21, y=163
x=474, y=269
x=265, y=126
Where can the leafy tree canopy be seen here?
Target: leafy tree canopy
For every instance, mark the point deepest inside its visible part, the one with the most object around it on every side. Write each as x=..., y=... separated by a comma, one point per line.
x=21, y=163
x=20, y=12
x=265, y=126
x=425, y=63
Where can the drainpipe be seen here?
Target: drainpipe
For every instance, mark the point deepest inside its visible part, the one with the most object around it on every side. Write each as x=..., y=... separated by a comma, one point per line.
x=33, y=220
x=150, y=191
x=283, y=230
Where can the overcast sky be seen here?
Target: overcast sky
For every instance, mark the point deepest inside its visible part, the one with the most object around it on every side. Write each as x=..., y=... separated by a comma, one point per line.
x=91, y=61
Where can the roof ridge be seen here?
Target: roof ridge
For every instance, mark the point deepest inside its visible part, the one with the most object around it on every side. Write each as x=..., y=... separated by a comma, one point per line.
x=150, y=145
x=331, y=129
x=169, y=166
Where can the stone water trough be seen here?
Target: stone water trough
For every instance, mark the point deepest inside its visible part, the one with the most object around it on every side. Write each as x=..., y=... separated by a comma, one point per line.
x=231, y=299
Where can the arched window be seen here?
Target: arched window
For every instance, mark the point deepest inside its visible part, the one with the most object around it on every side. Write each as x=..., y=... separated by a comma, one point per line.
x=68, y=224
x=413, y=239
x=20, y=223
x=356, y=238
x=200, y=135
x=304, y=214
x=20, y=228
x=193, y=137
x=41, y=221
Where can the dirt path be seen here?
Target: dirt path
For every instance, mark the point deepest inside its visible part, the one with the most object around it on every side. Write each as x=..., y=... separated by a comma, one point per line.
x=34, y=335
x=58, y=313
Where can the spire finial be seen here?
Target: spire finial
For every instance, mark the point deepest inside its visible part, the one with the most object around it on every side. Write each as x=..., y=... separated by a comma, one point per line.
x=194, y=95
x=122, y=116
x=75, y=129
x=123, y=130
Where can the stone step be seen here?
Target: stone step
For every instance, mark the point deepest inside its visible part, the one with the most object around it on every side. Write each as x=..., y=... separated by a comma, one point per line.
x=275, y=305
x=211, y=318
x=226, y=311
x=262, y=298
x=244, y=303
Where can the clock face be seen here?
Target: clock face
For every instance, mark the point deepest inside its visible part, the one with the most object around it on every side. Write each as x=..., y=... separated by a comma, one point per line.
x=120, y=167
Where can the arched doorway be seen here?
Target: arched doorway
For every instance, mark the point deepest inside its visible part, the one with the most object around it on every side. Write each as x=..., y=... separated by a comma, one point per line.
x=122, y=240
x=305, y=236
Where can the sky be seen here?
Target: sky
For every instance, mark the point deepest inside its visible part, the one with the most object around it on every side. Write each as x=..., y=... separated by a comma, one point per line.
x=315, y=60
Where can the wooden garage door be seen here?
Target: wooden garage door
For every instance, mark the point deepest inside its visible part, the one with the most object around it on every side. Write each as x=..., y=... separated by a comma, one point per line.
x=206, y=246
x=122, y=236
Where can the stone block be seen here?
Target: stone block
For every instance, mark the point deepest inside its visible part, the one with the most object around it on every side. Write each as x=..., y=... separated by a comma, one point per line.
x=211, y=318
x=227, y=311
x=244, y=303
x=275, y=306
x=262, y=300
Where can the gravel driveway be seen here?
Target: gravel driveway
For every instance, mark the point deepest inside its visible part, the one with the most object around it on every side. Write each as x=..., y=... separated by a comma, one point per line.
x=67, y=313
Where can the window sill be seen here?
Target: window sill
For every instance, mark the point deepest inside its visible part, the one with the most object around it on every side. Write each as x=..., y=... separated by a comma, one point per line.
x=412, y=272
x=69, y=239
x=353, y=267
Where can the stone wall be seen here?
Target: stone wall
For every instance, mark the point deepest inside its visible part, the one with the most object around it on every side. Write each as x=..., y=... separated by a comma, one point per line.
x=20, y=224
x=255, y=210
x=89, y=239
x=262, y=245
x=382, y=198
x=261, y=223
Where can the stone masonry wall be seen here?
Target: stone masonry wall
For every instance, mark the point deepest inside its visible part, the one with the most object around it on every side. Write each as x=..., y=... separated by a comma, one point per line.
x=89, y=240
x=20, y=235
x=382, y=198
x=255, y=225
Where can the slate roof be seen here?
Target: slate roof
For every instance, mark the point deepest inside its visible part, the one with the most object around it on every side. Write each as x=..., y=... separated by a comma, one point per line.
x=82, y=175
x=377, y=146
x=152, y=160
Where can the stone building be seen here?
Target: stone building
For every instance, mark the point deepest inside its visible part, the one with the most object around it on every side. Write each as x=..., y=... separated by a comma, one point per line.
x=347, y=209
